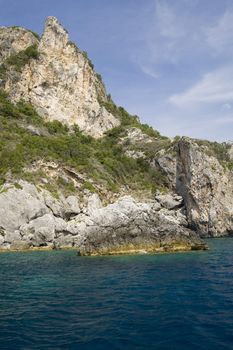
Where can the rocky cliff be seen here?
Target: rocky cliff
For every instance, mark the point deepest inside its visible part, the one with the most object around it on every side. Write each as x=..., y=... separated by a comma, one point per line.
x=59, y=80
x=76, y=171
x=207, y=188
x=36, y=220
x=15, y=39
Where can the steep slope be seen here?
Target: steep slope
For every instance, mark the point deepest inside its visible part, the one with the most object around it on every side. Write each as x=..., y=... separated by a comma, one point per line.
x=59, y=80
x=78, y=171
x=206, y=184
x=15, y=39
x=45, y=152
x=58, y=206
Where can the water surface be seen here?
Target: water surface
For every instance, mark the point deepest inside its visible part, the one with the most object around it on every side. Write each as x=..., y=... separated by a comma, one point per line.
x=57, y=300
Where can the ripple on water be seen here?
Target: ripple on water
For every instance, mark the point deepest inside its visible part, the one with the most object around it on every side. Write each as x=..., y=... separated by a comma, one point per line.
x=56, y=300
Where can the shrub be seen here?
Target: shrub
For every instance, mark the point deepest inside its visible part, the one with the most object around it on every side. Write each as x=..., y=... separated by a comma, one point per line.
x=102, y=160
x=19, y=60
x=85, y=55
x=56, y=127
x=215, y=149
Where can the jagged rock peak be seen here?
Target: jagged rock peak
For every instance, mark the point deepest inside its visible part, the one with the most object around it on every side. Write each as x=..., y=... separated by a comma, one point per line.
x=60, y=83
x=52, y=22
x=55, y=35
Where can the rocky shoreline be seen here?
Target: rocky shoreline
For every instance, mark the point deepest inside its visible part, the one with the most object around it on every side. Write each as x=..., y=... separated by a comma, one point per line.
x=63, y=133
x=31, y=220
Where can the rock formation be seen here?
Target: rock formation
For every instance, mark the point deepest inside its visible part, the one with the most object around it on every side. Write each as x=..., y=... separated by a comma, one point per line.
x=60, y=83
x=207, y=189
x=186, y=190
x=13, y=40
x=30, y=219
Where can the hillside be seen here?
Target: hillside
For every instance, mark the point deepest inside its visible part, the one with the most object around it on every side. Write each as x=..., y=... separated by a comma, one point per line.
x=67, y=147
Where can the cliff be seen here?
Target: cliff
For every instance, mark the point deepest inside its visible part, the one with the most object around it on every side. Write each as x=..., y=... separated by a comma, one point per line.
x=206, y=184
x=77, y=171
x=30, y=219
x=57, y=78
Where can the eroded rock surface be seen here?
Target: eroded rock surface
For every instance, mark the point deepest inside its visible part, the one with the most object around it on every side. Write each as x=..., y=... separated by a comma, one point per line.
x=207, y=189
x=13, y=40
x=30, y=219
x=127, y=227
x=61, y=83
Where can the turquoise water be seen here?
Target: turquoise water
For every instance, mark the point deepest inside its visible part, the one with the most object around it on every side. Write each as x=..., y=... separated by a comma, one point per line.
x=57, y=300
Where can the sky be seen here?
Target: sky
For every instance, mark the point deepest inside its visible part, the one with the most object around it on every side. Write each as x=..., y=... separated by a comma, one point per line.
x=168, y=61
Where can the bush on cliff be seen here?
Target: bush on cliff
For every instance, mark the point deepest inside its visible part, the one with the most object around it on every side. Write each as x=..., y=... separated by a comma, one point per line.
x=18, y=61
x=102, y=160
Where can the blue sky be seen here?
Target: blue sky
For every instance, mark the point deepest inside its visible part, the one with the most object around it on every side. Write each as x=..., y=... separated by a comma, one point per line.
x=168, y=61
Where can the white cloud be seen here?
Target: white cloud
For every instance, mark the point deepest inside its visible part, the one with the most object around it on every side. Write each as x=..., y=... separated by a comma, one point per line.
x=178, y=34
x=220, y=36
x=166, y=35
x=214, y=87
x=226, y=106
x=149, y=71
x=188, y=48
x=166, y=21
x=224, y=120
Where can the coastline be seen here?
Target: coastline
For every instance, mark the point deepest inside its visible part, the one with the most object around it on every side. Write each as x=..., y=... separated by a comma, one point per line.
x=120, y=252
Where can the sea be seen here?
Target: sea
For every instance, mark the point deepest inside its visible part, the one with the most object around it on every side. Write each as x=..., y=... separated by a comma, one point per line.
x=58, y=300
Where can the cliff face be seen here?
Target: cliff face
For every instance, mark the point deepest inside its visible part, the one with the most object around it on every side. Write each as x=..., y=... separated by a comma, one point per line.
x=13, y=40
x=30, y=220
x=207, y=189
x=59, y=82
x=52, y=177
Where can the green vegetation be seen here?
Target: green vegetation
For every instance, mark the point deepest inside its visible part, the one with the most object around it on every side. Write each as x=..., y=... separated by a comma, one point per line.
x=35, y=34
x=128, y=119
x=19, y=60
x=217, y=150
x=103, y=160
x=88, y=186
x=230, y=165
x=18, y=186
x=88, y=59
x=99, y=77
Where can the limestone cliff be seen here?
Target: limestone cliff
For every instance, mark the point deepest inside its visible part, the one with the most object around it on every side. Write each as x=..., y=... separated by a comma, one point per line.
x=60, y=82
x=207, y=189
x=15, y=39
x=115, y=192
x=30, y=219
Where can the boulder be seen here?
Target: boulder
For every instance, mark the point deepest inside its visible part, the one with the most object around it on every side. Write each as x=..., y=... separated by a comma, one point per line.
x=93, y=203
x=42, y=230
x=170, y=201
x=71, y=206
x=128, y=226
x=20, y=205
